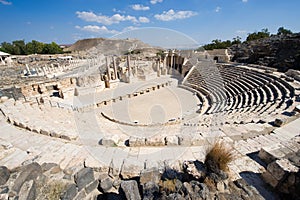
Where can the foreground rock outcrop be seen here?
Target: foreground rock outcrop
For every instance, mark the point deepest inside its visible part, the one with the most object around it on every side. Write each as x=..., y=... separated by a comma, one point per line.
x=191, y=180
x=278, y=51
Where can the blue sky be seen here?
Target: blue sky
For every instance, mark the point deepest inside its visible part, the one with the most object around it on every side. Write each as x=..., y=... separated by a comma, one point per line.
x=66, y=21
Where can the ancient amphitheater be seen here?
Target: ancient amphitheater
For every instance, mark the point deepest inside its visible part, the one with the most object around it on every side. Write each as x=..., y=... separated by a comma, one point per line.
x=124, y=114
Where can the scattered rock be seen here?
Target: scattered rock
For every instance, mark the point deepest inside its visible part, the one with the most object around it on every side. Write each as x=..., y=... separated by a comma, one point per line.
x=150, y=190
x=84, y=177
x=4, y=175
x=69, y=193
x=130, y=189
x=194, y=168
x=28, y=191
x=28, y=172
x=278, y=122
x=106, y=183
x=171, y=140
x=109, y=141
x=149, y=175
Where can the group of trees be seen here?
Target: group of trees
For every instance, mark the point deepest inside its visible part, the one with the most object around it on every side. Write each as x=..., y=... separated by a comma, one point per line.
x=218, y=44
x=19, y=47
x=264, y=33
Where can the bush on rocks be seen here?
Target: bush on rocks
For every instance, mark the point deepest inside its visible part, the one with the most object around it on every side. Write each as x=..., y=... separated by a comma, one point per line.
x=218, y=157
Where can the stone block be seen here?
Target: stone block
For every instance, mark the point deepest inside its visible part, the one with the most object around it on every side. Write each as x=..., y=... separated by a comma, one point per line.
x=268, y=178
x=280, y=168
x=110, y=140
x=106, y=183
x=28, y=191
x=278, y=122
x=194, y=168
x=156, y=140
x=80, y=195
x=130, y=189
x=44, y=132
x=92, y=186
x=84, y=177
x=184, y=140
x=27, y=173
x=4, y=175
x=150, y=191
x=149, y=175
x=136, y=141
x=270, y=154
x=171, y=140
x=130, y=169
x=69, y=193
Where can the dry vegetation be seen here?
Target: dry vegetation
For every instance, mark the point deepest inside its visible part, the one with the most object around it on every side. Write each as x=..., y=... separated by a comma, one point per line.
x=169, y=186
x=218, y=157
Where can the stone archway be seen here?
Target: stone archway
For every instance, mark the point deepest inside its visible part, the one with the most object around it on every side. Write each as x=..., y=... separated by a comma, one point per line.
x=216, y=58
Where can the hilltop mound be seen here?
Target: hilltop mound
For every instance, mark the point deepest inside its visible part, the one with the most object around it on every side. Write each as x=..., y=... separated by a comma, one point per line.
x=278, y=51
x=109, y=46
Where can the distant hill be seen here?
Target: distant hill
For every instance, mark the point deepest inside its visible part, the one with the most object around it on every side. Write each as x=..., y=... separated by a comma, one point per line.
x=278, y=51
x=109, y=46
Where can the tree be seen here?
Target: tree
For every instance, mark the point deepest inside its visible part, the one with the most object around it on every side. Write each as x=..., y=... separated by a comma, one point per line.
x=283, y=31
x=7, y=47
x=236, y=40
x=34, y=47
x=19, y=47
x=217, y=44
x=52, y=48
x=264, y=33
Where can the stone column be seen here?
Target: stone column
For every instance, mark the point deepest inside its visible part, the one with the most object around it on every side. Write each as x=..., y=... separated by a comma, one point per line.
x=108, y=70
x=158, y=68
x=171, y=62
x=115, y=67
x=128, y=65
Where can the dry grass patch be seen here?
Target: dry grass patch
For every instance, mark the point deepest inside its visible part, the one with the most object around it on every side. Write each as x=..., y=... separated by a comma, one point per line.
x=169, y=186
x=218, y=157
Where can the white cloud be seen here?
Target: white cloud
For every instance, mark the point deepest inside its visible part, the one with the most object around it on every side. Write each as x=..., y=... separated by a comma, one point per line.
x=244, y=1
x=103, y=19
x=155, y=1
x=144, y=20
x=118, y=11
x=96, y=29
x=218, y=9
x=139, y=7
x=129, y=28
x=173, y=15
x=4, y=2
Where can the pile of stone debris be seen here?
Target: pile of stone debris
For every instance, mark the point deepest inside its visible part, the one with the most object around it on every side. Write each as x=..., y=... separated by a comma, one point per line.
x=192, y=181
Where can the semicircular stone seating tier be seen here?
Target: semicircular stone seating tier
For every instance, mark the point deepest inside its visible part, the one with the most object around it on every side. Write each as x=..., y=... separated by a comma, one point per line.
x=233, y=89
